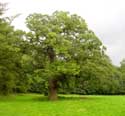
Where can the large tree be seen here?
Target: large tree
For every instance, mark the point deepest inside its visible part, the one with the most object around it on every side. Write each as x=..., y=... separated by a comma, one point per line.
x=60, y=44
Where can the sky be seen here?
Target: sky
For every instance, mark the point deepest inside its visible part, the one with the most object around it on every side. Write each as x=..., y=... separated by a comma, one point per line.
x=105, y=17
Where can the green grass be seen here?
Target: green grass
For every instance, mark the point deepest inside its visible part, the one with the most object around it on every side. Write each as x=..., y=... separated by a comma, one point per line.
x=37, y=105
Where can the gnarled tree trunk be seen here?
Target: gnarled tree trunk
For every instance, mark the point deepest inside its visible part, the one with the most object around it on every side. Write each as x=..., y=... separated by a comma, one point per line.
x=52, y=93
x=52, y=89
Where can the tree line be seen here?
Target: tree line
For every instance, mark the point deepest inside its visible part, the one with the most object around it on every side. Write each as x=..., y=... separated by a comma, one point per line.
x=59, y=53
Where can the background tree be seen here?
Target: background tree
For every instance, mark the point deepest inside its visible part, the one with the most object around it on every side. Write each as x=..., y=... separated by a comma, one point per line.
x=122, y=82
x=10, y=55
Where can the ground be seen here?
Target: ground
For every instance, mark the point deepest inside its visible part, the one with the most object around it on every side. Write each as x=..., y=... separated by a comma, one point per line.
x=68, y=105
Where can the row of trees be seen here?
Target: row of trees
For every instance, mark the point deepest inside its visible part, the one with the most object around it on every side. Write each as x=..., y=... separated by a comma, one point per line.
x=59, y=53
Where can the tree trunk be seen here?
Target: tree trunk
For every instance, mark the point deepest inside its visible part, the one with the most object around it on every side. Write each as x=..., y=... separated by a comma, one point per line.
x=52, y=93
x=52, y=89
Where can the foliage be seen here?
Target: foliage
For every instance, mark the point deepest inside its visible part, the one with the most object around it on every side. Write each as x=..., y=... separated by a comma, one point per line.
x=8, y=57
x=11, y=58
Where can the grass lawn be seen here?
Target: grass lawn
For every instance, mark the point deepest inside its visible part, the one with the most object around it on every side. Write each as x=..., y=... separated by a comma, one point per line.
x=37, y=105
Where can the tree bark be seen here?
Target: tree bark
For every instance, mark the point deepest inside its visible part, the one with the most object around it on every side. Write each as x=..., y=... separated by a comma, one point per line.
x=52, y=94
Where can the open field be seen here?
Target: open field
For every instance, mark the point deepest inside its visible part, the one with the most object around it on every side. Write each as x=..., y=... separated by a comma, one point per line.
x=37, y=105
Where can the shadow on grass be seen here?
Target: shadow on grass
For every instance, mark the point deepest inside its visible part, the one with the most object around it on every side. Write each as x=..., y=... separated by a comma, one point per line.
x=65, y=98
x=40, y=97
x=72, y=97
x=60, y=98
